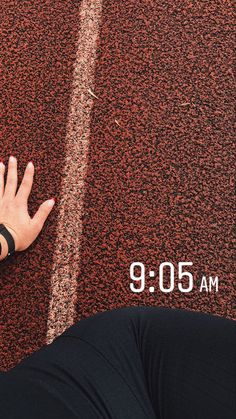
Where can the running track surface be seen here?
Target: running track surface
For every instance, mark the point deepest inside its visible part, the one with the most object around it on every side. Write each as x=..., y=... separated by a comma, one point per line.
x=126, y=109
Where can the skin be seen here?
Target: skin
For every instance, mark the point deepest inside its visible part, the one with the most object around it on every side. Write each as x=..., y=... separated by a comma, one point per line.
x=14, y=207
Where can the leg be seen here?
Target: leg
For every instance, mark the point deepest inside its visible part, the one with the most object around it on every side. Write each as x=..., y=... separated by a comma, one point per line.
x=140, y=362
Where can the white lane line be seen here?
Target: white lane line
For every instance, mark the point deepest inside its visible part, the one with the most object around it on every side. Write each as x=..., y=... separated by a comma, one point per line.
x=66, y=258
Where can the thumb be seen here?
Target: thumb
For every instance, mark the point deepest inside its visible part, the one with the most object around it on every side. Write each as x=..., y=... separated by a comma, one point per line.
x=42, y=213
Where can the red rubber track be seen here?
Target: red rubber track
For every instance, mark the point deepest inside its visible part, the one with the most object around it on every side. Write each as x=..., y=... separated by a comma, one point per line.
x=159, y=180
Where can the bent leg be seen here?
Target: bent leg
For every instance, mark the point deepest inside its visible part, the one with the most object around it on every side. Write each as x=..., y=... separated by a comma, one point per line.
x=141, y=362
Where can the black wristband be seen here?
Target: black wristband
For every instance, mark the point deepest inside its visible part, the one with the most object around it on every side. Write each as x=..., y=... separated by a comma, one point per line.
x=9, y=239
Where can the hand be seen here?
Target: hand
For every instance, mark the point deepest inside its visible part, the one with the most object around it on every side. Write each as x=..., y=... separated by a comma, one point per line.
x=14, y=207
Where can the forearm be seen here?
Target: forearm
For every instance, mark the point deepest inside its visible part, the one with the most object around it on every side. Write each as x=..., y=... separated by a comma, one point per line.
x=3, y=247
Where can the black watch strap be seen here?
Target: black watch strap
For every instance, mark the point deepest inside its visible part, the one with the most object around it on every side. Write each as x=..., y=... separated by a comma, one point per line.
x=9, y=239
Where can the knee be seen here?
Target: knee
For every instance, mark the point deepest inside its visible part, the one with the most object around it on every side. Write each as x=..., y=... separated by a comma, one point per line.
x=107, y=325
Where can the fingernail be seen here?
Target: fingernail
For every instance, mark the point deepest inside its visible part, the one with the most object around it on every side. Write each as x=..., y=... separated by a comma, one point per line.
x=30, y=164
x=51, y=202
x=2, y=164
x=12, y=158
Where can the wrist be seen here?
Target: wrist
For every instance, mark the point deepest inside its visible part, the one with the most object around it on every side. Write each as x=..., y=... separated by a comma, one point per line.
x=4, y=242
x=4, y=247
x=14, y=236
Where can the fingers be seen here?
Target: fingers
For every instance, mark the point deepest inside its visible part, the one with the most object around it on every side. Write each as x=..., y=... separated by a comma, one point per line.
x=11, y=182
x=42, y=213
x=27, y=182
x=2, y=171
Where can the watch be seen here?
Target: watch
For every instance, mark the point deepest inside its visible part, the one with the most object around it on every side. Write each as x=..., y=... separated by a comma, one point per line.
x=9, y=239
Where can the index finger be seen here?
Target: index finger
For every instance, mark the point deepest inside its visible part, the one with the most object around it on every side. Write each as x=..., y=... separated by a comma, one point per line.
x=27, y=182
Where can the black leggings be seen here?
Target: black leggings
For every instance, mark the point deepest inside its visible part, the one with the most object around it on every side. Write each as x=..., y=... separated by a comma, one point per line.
x=129, y=363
